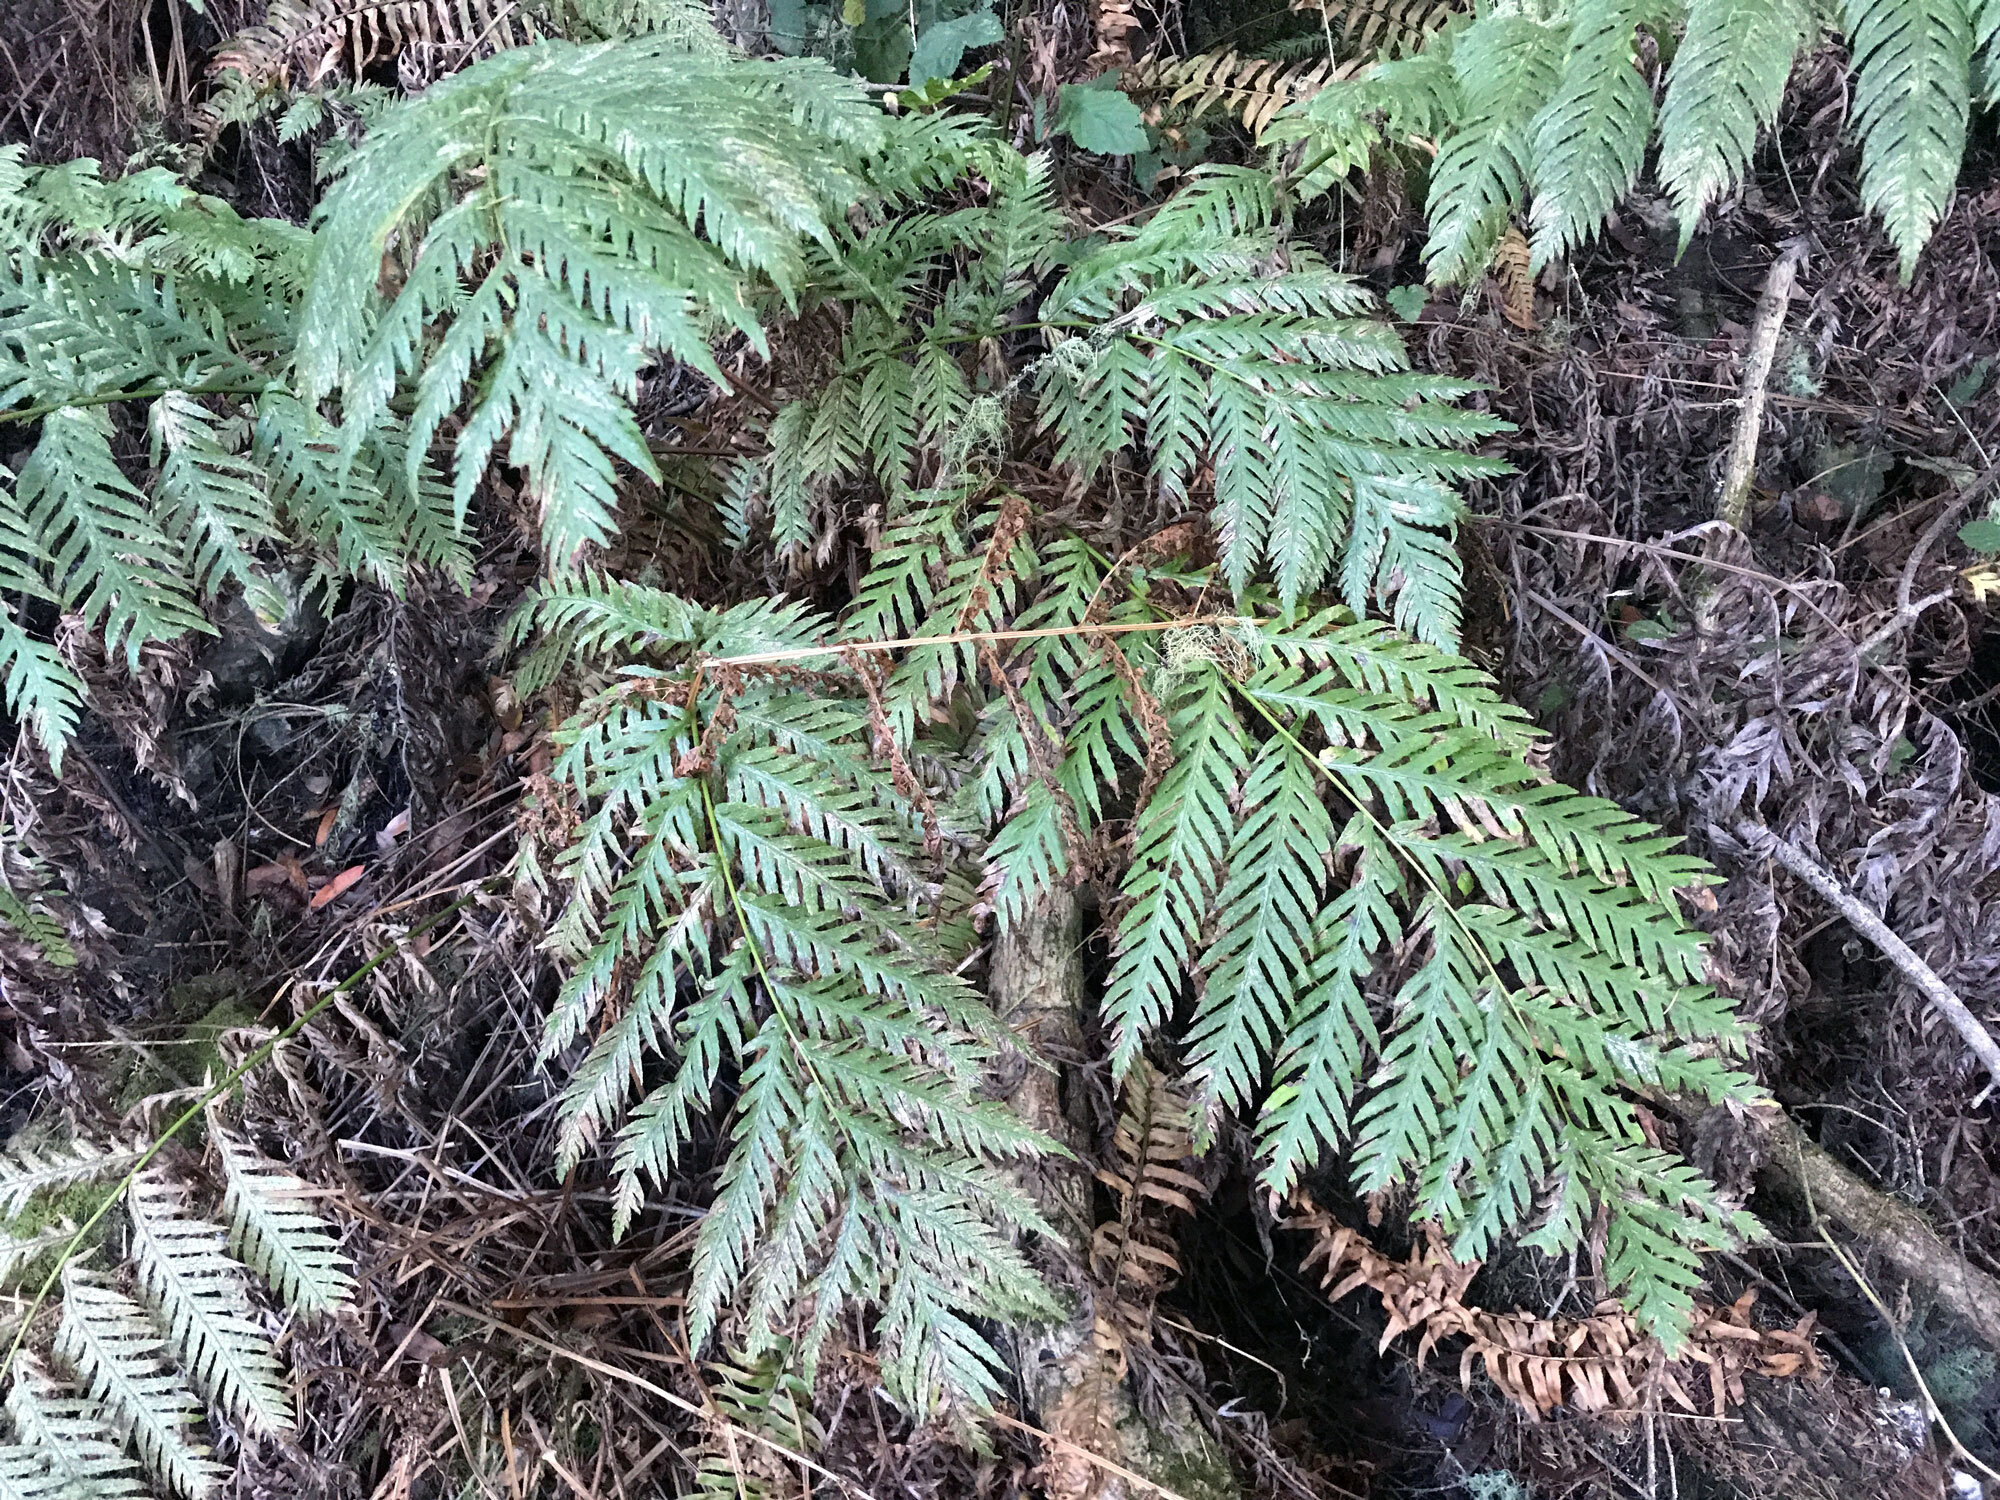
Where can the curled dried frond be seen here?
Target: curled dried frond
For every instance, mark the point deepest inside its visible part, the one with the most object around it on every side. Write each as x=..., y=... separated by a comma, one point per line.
x=1132, y=1257
x=1603, y=1363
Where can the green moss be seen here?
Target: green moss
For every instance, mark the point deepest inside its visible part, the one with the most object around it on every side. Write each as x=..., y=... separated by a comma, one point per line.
x=1180, y=1457
x=187, y=1051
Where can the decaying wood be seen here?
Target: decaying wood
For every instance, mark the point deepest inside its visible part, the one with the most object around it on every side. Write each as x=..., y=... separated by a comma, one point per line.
x=1888, y=1229
x=1604, y=1363
x=1941, y=996
x=1073, y=1375
x=1733, y=505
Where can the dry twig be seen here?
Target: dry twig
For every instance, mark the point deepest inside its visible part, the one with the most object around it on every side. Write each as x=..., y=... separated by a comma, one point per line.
x=1941, y=996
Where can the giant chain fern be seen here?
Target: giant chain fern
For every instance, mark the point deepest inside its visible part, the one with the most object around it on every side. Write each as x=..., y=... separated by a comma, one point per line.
x=146, y=1359
x=1234, y=360
x=1399, y=939
x=1544, y=111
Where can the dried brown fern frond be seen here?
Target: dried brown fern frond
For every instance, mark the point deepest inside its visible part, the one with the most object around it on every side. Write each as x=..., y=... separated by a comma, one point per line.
x=1132, y=1257
x=1113, y=26
x=302, y=41
x=1513, y=272
x=1368, y=28
x=1253, y=89
x=1602, y=1363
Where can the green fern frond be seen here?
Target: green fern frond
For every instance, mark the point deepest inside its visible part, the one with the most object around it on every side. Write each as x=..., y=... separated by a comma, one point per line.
x=1264, y=926
x=62, y=1450
x=214, y=502
x=118, y=1358
x=1727, y=79
x=1181, y=841
x=202, y=1300
x=1912, y=100
x=41, y=691
x=275, y=1233
x=593, y=274
x=1508, y=67
x=19, y=1253
x=28, y=1170
x=106, y=556
x=1590, y=138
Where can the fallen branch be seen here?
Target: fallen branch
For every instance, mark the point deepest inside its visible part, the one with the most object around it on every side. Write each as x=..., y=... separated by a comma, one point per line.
x=1889, y=1230
x=1941, y=996
x=1733, y=505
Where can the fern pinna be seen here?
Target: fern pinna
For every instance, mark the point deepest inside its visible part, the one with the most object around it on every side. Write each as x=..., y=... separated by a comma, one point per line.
x=1545, y=112
x=143, y=1359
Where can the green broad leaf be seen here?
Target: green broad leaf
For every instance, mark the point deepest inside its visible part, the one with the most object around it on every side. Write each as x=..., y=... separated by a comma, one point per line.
x=1409, y=302
x=1099, y=118
x=794, y=23
x=882, y=48
x=1981, y=536
x=1970, y=384
x=943, y=45
x=937, y=90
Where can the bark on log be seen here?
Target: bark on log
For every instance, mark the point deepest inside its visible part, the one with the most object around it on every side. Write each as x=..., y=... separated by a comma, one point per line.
x=1075, y=1392
x=1886, y=1227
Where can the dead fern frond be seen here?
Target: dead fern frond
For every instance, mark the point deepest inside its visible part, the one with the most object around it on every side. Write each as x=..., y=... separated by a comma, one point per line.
x=1371, y=28
x=1253, y=89
x=303, y=41
x=1514, y=273
x=1132, y=1257
x=1600, y=1364
x=1113, y=25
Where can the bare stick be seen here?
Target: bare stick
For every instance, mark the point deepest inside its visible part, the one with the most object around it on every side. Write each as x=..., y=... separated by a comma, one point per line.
x=1733, y=506
x=1872, y=927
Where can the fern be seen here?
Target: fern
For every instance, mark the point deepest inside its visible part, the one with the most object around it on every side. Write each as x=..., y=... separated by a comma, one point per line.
x=140, y=1365
x=1912, y=99
x=1727, y=80
x=119, y=1359
x=1550, y=98
x=273, y=1233
x=202, y=1301
x=1508, y=68
x=1590, y=138
x=577, y=179
x=61, y=1446
x=28, y=1171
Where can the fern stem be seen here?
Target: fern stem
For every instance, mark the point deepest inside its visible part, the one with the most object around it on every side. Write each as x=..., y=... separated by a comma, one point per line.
x=145, y=393
x=194, y=1110
x=800, y=653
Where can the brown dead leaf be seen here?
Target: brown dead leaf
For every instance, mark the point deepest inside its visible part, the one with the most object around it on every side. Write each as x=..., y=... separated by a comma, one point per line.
x=337, y=886
x=1511, y=271
x=326, y=822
